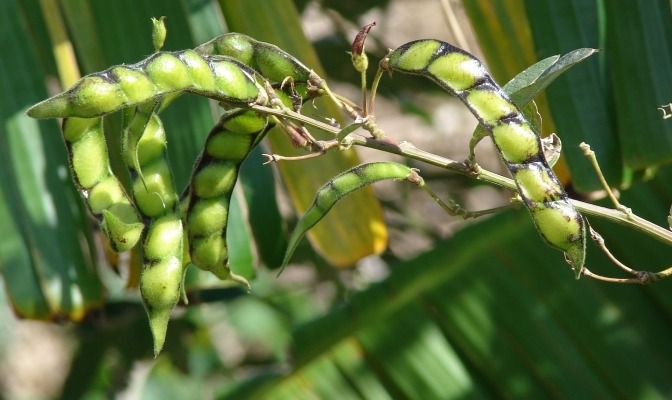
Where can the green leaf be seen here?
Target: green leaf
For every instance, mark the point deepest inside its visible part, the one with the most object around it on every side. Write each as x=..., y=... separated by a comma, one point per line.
x=165, y=382
x=493, y=313
x=47, y=256
x=638, y=52
x=530, y=83
x=241, y=258
x=503, y=34
x=265, y=219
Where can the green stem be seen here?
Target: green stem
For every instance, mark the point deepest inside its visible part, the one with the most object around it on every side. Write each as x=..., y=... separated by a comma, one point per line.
x=374, y=89
x=363, y=83
x=406, y=149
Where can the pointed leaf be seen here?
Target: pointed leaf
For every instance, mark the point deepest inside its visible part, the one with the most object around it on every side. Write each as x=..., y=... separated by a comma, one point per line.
x=529, y=83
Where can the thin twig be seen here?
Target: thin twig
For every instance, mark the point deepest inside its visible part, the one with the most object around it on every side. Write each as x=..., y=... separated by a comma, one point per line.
x=391, y=146
x=590, y=154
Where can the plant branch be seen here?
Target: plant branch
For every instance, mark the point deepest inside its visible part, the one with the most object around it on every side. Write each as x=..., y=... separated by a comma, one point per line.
x=407, y=149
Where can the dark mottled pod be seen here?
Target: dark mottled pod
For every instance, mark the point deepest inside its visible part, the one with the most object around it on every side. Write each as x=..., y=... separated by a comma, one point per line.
x=211, y=185
x=218, y=77
x=558, y=222
x=337, y=188
x=269, y=60
x=103, y=193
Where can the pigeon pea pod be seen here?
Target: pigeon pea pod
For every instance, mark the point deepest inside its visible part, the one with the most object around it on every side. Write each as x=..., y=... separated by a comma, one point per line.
x=270, y=61
x=144, y=151
x=100, y=188
x=211, y=185
x=218, y=77
x=337, y=188
x=162, y=274
x=558, y=222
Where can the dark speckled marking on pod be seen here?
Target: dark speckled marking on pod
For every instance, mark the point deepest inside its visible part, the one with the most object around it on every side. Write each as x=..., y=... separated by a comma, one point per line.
x=461, y=74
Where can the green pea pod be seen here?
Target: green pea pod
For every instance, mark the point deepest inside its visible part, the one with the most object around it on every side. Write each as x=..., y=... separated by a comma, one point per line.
x=211, y=185
x=218, y=77
x=270, y=61
x=101, y=190
x=339, y=187
x=558, y=222
x=162, y=273
x=144, y=151
x=205, y=203
x=278, y=67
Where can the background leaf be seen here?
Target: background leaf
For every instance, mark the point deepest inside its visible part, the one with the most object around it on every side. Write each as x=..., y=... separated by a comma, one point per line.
x=639, y=40
x=48, y=279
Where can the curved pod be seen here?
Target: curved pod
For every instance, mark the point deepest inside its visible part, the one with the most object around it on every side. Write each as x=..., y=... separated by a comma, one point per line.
x=144, y=151
x=102, y=192
x=338, y=187
x=461, y=74
x=217, y=77
x=211, y=186
x=269, y=60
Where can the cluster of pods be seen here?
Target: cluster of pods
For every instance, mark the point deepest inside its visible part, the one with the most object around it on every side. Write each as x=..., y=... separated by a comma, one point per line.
x=177, y=230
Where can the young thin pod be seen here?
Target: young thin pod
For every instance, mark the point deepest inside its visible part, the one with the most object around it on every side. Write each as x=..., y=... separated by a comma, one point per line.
x=461, y=74
x=211, y=185
x=217, y=77
x=340, y=186
x=144, y=151
x=99, y=187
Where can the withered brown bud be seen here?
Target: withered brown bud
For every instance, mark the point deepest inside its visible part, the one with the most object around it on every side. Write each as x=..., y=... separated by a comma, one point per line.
x=358, y=43
x=359, y=59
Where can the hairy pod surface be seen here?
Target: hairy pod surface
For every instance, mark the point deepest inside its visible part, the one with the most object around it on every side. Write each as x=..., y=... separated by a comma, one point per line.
x=211, y=186
x=217, y=77
x=339, y=187
x=99, y=187
x=460, y=73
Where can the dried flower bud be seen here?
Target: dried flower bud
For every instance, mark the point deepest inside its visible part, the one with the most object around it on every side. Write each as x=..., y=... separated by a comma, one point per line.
x=359, y=59
x=358, y=43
